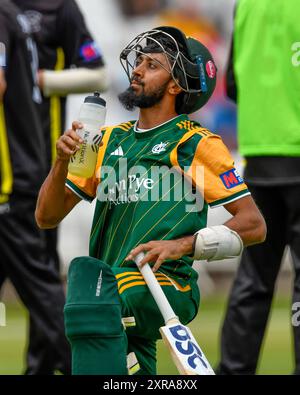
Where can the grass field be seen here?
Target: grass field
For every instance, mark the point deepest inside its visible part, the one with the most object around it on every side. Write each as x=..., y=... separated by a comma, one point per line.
x=276, y=357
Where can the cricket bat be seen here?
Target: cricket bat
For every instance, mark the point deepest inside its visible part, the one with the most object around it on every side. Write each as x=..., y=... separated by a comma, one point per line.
x=185, y=351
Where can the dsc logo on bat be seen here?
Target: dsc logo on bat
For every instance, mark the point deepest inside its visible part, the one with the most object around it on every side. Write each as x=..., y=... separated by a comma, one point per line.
x=187, y=346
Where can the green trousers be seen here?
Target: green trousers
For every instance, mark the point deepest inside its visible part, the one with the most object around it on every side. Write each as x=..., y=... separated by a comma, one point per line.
x=137, y=301
x=100, y=347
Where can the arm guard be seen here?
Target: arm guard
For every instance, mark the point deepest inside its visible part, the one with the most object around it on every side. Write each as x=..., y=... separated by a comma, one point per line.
x=217, y=242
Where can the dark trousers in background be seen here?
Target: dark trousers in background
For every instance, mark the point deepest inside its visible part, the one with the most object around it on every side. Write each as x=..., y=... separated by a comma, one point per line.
x=39, y=356
x=252, y=292
x=25, y=261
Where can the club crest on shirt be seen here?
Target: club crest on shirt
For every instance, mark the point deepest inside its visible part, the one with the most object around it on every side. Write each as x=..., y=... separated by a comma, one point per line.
x=158, y=148
x=34, y=18
x=24, y=23
x=231, y=178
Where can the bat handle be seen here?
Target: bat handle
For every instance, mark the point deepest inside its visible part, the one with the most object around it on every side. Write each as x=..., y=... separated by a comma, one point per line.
x=156, y=291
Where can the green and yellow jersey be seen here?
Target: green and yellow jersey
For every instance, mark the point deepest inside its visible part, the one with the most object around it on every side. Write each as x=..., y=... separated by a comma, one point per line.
x=156, y=185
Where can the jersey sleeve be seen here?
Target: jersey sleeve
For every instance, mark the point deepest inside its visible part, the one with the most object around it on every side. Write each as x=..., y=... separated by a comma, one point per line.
x=85, y=188
x=212, y=170
x=80, y=49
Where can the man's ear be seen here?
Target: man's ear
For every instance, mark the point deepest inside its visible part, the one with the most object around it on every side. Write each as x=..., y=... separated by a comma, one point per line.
x=173, y=88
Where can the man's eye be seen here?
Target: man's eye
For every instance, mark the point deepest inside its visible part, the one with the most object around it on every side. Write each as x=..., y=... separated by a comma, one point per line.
x=137, y=62
x=152, y=66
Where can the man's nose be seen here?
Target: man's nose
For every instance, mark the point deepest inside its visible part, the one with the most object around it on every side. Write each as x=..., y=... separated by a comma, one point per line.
x=138, y=70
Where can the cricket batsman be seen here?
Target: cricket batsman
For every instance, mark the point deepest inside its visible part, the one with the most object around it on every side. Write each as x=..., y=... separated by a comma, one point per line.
x=154, y=180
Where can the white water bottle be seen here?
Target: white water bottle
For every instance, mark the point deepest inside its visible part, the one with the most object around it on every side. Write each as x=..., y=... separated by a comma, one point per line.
x=92, y=116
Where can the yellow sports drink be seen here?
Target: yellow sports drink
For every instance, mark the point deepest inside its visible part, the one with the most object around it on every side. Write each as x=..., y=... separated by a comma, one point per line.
x=92, y=116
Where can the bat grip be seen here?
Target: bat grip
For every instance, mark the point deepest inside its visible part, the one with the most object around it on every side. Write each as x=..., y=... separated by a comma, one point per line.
x=156, y=291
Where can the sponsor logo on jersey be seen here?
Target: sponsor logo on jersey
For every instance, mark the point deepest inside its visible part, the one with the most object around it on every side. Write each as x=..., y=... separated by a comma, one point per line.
x=118, y=152
x=34, y=18
x=158, y=148
x=231, y=178
x=90, y=51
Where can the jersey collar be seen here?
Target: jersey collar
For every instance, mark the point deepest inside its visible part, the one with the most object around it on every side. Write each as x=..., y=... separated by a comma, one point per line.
x=166, y=126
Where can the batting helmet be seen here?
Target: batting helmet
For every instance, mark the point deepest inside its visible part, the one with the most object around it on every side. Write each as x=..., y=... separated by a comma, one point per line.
x=190, y=63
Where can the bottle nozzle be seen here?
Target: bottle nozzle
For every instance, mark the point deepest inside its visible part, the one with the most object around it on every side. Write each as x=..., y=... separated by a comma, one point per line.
x=95, y=99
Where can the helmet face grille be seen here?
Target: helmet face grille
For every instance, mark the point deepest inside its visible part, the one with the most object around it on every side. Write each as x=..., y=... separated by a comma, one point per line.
x=157, y=41
x=187, y=61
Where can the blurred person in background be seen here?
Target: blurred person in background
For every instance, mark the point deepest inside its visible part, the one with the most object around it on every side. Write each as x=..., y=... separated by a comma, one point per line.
x=70, y=61
x=135, y=8
x=264, y=79
x=22, y=171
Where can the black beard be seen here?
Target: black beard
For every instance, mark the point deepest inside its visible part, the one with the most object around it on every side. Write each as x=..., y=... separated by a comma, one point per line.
x=129, y=99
